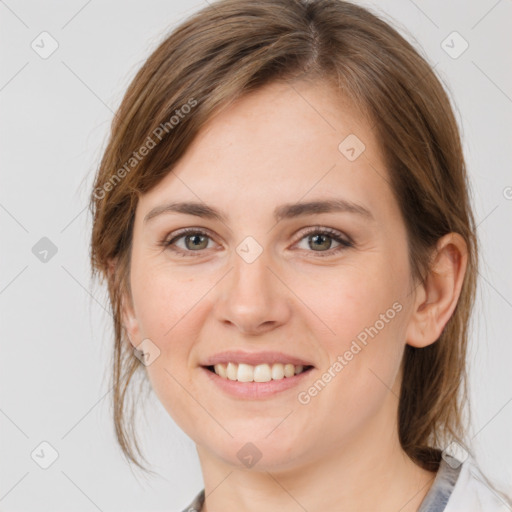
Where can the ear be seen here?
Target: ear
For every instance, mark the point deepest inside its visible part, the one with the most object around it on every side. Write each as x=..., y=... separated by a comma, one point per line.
x=436, y=298
x=128, y=318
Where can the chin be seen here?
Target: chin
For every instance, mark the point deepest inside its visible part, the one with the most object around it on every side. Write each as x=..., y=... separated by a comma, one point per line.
x=258, y=454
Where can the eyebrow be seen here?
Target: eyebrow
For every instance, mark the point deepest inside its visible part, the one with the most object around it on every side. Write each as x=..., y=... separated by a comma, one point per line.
x=285, y=211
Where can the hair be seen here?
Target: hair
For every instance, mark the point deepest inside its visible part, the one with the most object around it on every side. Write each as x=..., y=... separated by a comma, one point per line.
x=233, y=47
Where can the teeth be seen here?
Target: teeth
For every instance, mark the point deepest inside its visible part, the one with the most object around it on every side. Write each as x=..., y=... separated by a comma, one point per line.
x=260, y=373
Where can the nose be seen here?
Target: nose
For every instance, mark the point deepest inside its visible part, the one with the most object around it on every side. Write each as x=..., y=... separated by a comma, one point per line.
x=252, y=298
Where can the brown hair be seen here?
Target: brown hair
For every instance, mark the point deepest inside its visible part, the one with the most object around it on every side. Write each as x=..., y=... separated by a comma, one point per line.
x=232, y=47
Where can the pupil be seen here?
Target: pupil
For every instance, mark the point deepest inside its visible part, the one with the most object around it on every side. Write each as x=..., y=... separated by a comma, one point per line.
x=194, y=238
x=316, y=237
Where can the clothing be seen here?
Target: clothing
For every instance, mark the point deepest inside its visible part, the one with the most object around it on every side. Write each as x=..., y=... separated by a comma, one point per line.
x=457, y=487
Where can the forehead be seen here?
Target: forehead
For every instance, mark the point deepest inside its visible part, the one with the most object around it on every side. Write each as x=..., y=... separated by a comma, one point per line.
x=283, y=141
x=284, y=121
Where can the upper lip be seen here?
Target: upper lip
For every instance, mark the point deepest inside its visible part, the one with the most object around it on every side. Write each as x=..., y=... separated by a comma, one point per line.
x=254, y=358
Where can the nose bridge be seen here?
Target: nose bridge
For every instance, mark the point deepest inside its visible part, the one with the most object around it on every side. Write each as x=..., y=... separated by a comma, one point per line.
x=251, y=268
x=253, y=296
x=251, y=278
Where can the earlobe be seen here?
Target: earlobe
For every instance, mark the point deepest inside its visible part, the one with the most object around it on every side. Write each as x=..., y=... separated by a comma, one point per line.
x=128, y=318
x=129, y=321
x=437, y=297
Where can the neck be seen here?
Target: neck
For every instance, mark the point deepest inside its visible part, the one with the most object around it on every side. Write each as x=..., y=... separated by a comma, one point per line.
x=359, y=475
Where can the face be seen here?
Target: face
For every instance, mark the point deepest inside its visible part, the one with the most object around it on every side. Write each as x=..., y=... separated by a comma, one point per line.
x=328, y=287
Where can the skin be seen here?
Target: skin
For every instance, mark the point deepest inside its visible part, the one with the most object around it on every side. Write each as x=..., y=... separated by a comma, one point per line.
x=341, y=450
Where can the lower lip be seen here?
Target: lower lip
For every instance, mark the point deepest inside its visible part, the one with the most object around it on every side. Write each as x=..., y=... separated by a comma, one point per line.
x=255, y=390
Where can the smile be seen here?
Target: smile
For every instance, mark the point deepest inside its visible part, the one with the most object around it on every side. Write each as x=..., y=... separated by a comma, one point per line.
x=242, y=372
x=251, y=389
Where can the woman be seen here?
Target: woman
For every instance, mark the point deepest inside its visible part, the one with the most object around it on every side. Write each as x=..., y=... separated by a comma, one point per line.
x=282, y=215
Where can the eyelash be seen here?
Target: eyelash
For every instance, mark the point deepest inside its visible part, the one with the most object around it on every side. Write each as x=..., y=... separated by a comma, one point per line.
x=331, y=233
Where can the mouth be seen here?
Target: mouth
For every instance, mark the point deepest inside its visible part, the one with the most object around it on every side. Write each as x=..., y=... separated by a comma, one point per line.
x=265, y=372
x=256, y=383
x=255, y=375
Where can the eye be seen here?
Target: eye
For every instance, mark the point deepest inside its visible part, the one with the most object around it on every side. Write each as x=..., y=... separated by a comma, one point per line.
x=195, y=240
x=321, y=238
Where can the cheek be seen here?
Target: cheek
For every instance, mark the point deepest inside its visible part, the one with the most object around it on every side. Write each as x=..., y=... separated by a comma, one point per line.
x=357, y=302
x=171, y=307
x=365, y=311
x=364, y=355
x=168, y=305
x=164, y=299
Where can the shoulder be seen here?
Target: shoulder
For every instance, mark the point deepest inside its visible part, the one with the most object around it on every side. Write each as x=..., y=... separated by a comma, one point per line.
x=459, y=487
x=197, y=503
x=473, y=492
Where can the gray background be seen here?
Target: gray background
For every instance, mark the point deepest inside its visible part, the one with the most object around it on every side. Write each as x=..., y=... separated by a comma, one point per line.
x=55, y=329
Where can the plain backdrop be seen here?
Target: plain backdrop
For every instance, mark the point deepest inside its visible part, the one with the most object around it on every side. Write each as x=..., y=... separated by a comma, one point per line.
x=55, y=331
